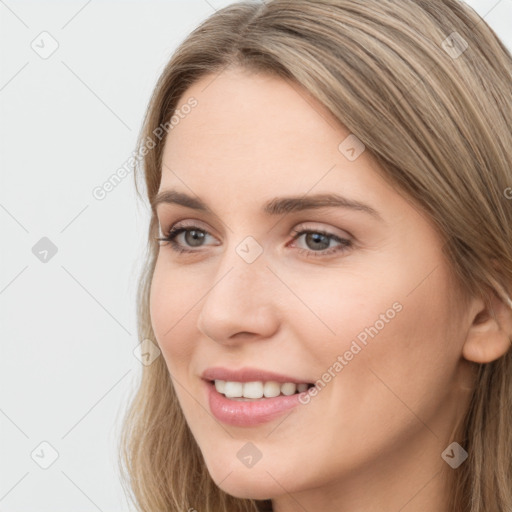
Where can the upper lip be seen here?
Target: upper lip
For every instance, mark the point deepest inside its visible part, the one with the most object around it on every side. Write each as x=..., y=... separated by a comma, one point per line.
x=247, y=374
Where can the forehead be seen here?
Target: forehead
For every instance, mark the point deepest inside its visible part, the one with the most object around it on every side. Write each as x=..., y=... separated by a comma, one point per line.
x=241, y=110
x=250, y=127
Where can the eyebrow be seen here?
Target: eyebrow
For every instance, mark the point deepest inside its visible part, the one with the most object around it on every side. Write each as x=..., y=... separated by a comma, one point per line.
x=276, y=206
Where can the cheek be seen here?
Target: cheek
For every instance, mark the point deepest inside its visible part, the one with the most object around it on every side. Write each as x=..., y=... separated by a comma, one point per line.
x=410, y=353
x=340, y=305
x=393, y=329
x=171, y=308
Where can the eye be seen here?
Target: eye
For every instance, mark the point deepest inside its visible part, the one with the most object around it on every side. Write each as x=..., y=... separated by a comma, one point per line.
x=318, y=242
x=193, y=235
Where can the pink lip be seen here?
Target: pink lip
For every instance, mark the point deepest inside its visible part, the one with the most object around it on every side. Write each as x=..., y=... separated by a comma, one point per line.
x=247, y=414
x=247, y=375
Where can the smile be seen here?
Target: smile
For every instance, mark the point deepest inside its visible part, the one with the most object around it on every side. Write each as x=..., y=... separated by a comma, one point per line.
x=242, y=411
x=258, y=389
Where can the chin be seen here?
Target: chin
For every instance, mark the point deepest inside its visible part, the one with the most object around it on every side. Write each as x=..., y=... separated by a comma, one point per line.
x=248, y=483
x=249, y=491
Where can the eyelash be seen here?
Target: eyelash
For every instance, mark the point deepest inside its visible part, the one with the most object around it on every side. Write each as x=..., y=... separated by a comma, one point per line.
x=345, y=244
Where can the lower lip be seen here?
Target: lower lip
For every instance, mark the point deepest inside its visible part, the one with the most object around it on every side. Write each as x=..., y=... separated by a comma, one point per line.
x=246, y=414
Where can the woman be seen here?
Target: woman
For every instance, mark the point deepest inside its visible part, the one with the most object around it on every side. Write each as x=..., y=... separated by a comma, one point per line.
x=329, y=264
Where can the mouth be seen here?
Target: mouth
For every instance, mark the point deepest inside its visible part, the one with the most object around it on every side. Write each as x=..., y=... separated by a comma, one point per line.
x=252, y=407
x=258, y=390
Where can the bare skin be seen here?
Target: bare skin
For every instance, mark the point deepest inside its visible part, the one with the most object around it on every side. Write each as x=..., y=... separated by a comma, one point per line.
x=372, y=438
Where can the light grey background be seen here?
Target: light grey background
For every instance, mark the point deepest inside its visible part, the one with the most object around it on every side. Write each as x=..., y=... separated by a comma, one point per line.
x=68, y=331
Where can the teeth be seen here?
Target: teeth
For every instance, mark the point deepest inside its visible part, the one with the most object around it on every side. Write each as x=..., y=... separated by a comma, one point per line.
x=258, y=389
x=252, y=389
x=220, y=385
x=271, y=389
x=233, y=389
x=288, y=388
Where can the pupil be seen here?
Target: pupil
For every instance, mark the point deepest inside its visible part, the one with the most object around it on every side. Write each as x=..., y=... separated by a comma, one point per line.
x=194, y=237
x=317, y=238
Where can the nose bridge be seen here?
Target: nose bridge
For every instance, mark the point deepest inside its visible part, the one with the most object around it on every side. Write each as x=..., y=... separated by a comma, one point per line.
x=239, y=298
x=242, y=271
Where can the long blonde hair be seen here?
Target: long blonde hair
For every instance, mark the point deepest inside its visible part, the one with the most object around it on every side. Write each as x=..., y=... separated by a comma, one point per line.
x=426, y=85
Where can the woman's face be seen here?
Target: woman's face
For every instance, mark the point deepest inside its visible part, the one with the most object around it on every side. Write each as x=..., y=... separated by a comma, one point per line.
x=358, y=300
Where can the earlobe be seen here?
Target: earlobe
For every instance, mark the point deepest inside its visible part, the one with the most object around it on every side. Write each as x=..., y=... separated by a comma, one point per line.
x=490, y=334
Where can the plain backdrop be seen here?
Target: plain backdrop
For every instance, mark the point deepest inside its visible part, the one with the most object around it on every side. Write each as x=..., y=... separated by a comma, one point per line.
x=75, y=80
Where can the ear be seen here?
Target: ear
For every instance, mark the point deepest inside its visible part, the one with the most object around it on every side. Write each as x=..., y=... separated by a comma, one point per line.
x=490, y=334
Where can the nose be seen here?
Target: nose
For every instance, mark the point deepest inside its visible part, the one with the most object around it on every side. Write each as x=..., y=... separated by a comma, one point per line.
x=240, y=303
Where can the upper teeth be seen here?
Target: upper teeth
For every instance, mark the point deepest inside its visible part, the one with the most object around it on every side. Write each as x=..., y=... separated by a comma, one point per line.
x=258, y=389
